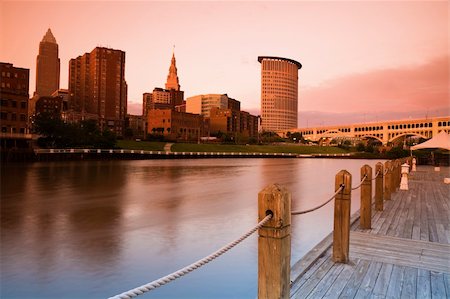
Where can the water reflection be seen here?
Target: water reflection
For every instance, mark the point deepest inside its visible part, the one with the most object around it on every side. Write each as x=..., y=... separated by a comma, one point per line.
x=93, y=229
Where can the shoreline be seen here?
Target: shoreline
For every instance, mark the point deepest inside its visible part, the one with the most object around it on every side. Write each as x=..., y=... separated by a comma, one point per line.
x=43, y=155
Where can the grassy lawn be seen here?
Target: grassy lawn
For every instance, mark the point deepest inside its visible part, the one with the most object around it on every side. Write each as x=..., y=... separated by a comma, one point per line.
x=140, y=145
x=189, y=147
x=296, y=149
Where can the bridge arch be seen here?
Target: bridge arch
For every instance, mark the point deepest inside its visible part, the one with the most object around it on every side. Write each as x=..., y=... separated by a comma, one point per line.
x=371, y=136
x=410, y=134
x=330, y=134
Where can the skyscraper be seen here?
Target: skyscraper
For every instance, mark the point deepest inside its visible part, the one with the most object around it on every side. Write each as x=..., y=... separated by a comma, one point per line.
x=97, y=87
x=279, y=93
x=47, y=66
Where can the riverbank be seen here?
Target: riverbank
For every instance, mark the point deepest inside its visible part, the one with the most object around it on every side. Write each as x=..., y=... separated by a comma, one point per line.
x=136, y=150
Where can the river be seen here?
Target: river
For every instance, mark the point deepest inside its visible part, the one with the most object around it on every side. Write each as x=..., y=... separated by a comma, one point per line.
x=93, y=229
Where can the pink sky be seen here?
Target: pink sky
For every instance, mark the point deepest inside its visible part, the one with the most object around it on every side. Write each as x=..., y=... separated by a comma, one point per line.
x=362, y=61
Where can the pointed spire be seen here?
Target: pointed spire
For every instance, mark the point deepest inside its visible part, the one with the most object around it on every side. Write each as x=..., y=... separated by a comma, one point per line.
x=172, y=78
x=48, y=37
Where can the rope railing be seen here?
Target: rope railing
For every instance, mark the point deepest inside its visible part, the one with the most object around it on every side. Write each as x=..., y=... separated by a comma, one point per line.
x=376, y=175
x=177, y=274
x=318, y=207
x=360, y=183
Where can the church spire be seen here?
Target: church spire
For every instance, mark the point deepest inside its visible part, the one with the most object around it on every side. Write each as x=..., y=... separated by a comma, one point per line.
x=172, y=78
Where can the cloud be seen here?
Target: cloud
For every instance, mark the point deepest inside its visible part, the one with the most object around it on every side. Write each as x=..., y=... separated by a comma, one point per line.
x=318, y=118
x=410, y=88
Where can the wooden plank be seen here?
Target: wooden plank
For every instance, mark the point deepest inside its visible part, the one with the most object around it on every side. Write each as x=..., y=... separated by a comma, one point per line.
x=355, y=280
x=315, y=279
x=395, y=283
x=320, y=290
x=423, y=290
x=382, y=283
x=338, y=285
x=447, y=283
x=409, y=283
x=437, y=285
x=311, y=270
x=368, y=282
x=355, y=236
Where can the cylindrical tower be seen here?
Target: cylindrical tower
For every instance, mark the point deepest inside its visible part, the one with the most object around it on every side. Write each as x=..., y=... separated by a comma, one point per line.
x=279, y=93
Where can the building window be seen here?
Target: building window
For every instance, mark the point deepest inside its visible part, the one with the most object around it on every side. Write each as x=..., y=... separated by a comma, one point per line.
x=14, y=104
x=4, y=103
x=23, y=117
x=4, y=115
x=14, y=117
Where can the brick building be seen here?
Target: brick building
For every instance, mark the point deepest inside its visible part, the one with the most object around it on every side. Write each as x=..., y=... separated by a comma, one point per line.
x=97, y=87
x=14, y=97
x=174, y=125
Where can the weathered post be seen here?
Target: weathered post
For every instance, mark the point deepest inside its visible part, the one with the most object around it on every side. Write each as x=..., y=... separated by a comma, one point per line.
x=379, y=187
x=393, y=176
x=341, y=232
x=274, y=243
x=387, y=181
x=366, y=198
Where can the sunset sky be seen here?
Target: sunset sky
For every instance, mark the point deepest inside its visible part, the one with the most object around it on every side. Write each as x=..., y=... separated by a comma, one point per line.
x=362, y=60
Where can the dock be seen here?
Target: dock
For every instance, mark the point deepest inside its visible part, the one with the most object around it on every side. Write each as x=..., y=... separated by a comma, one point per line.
x=405, y=254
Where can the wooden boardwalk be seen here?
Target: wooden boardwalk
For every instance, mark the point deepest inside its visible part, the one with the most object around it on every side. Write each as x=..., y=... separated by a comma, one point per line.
x=406, y=254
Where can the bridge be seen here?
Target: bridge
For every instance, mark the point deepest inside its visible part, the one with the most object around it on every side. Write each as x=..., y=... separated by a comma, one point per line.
x=385, y=132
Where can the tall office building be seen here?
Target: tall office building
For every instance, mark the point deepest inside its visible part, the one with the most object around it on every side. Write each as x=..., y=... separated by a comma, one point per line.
x=279, y=93
x=47, y=66
x=98, y=89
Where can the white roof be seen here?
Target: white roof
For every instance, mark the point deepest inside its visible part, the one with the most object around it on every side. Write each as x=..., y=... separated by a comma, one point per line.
x=441, y=140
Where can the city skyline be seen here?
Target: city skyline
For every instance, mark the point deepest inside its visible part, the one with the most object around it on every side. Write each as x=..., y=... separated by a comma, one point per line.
x=362, y=61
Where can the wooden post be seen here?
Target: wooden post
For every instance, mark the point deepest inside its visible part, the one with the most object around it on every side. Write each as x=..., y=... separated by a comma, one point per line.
x=274, y=243
x=366, y=198
x=379, y=187
x=341, y=232
x=393, y=175
x=387, y=181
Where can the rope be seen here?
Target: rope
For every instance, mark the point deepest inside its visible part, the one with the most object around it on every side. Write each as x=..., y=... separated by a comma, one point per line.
x=378, y=173
x=385, y=171
x=318, y=207
x=360, y=183
x=177, y=274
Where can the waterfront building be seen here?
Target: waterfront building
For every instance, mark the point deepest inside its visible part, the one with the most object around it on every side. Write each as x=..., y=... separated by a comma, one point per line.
x=49, y=105
x=202, y=104
x=279, y=93
x=98, y=89
x=174, y=125
x=169, y=97
x=14, y=95
x=134, y=125
x=47, y=66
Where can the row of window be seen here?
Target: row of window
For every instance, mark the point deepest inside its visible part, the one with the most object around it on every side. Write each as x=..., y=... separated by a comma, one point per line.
x=12, y=116
x=13, y=130
x=390, y=127
x=15, y=75
x=410, y=126
x=365, y=129
x=12, y=103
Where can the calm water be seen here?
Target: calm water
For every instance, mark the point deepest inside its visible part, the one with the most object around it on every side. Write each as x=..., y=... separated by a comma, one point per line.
x=95, y=229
